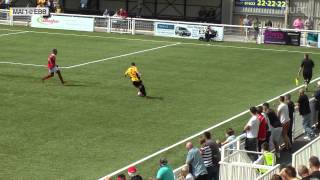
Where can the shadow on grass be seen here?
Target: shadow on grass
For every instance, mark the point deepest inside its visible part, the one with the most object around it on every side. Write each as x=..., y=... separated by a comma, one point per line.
x=155, y=98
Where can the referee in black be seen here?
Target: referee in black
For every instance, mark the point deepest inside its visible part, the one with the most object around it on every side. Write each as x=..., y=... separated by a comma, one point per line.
x=306, y=67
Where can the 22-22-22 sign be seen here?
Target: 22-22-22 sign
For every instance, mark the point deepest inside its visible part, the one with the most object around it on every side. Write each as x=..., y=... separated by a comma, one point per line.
x=261, y=3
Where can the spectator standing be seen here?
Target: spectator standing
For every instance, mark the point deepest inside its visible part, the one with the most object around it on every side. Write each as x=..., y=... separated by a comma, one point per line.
x=309, y=24
x=275, y=127
x=264, y=114
x=306, y=67
x=298, y=23
x=317, y=103
x=256, y=26
x=251, y=129
x=314, y=164
x=263, y=128
x=122, y=13
x=291, y=111
x=165, y=172
x=303, y=172
x=268, y=23
x=132, y=172
x=216, y=156
x=195, y=160
x=283, y=114
x=206, y=153
x=305, y=112
x=185, y=173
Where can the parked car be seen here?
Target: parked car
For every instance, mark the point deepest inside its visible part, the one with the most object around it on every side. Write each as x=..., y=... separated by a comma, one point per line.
x=182, y=31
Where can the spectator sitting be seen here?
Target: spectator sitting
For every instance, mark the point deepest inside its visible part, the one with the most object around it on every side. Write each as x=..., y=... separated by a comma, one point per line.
x=230, y=137
x=314, y=165
x=216, y=156
x=251, y=129
x=289, y=173
x=165, y=171
x=303, y=172
x=185, y=173
x=195, y=160
x=210, y=34
x=298, y=23
x=132, y=172
x=121, y=177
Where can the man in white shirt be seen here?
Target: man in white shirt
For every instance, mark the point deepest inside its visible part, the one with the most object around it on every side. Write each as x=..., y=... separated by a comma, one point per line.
x=283, y=114
x=251, y=129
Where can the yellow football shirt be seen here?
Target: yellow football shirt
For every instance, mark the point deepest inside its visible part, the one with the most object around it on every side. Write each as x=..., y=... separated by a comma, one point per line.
x=133, y=73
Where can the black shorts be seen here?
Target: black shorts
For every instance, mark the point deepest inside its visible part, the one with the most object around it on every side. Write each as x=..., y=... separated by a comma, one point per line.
x=307, y=76
x=137, y=84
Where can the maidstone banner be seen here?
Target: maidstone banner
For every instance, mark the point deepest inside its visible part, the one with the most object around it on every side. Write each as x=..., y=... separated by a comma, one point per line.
x=185, y=31
x=63, y=22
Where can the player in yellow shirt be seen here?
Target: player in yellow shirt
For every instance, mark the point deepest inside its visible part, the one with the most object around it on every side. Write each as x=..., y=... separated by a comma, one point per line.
x=135, y=77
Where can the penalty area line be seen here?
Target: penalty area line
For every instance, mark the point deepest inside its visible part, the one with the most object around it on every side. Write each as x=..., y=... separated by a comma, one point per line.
x=120, y=56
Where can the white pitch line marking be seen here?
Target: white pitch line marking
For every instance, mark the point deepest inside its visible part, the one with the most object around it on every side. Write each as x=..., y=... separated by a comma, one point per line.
x=8, y=34
x=197, y=134
x=119, y=56
x=23, y=64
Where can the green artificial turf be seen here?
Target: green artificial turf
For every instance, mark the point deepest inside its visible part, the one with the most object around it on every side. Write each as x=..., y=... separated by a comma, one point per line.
x=96, y=124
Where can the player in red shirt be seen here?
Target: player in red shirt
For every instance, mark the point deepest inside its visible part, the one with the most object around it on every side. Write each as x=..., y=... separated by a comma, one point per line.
x=53, y=67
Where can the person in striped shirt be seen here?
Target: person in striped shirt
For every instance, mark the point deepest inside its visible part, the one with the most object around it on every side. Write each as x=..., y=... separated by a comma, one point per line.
x=206, y=154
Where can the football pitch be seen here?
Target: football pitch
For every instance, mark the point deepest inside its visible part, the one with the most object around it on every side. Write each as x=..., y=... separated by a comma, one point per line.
x=96, y=123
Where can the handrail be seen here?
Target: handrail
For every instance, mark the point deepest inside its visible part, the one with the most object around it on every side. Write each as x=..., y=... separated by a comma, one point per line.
x=306, y=146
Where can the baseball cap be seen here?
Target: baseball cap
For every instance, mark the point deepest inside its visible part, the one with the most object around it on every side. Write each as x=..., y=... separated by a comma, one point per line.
x=132, y=170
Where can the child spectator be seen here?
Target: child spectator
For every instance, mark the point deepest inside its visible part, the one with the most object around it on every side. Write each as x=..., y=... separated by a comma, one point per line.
x=230, y=137
x=185, y=174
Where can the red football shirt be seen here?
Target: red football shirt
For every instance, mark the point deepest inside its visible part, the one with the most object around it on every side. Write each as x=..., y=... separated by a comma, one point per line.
x=262, y=134
x=51, y=61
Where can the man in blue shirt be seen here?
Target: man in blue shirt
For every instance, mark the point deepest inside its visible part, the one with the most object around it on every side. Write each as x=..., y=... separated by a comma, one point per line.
x=165, y=172
x=194, y=159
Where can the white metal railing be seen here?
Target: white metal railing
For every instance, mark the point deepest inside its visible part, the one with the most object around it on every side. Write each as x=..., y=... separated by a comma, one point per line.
x=301, y=157
x=267, y=176
x=229, y=151
x=242, y=171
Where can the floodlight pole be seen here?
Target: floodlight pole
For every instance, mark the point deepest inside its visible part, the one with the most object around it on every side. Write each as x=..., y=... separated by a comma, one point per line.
x=286, y=14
